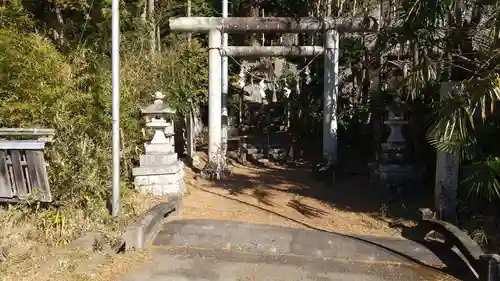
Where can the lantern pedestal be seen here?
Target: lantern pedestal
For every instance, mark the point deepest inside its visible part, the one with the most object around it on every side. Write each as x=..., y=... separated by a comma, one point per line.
x=160, y=172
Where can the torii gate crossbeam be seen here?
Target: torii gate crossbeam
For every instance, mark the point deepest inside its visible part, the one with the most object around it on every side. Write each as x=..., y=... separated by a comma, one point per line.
x=273, y=24
x=216, y=26
x=272, y=51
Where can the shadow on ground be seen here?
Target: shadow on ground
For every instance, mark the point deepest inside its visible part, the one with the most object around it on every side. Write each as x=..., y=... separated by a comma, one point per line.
x=353, y=194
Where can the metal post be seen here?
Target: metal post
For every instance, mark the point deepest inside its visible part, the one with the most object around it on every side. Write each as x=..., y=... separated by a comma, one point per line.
x=224, y=86
x=115, y=104
x=190, y=132
x=189, y=15
x=191, y=116
x=331, y=69
x=214, y=98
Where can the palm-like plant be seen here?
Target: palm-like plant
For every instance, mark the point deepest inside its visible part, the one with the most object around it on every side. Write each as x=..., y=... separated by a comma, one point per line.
x=453, y=130
x=445, y=44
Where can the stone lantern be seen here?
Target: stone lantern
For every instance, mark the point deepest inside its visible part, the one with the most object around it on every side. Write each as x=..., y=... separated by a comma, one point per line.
x=159, y=171
x=396, y=172
x=394, y=149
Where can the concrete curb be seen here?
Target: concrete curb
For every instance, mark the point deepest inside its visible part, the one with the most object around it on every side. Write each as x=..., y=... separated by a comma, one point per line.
x=140, y=233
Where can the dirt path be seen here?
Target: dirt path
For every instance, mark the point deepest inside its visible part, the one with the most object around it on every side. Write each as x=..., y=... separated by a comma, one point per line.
x=288, y=197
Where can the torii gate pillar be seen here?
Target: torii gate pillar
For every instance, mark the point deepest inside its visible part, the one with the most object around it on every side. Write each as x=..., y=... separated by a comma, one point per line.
x=215, y=148
x=330, y=90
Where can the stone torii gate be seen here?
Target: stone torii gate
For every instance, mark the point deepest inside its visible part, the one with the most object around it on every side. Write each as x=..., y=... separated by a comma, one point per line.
x=216, y=26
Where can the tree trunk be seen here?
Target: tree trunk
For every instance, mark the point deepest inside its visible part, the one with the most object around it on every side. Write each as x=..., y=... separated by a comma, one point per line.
x=59, y=35
x=329, y=4
x=144, y=9
x=152, y=27
x=254, y=11
x=376, y=115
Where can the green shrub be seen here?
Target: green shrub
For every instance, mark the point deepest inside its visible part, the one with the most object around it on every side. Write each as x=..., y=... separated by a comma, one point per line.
x=41, y=87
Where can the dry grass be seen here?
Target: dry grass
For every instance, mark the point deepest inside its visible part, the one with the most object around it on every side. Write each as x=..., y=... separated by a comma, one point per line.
x=35, y=241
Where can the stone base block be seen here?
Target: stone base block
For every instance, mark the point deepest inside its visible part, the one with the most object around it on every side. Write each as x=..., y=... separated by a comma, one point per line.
x=158, y=148
x=157, y=159
x=158, y=179
x=176, y=168
x=156, y=186
x=399, y=181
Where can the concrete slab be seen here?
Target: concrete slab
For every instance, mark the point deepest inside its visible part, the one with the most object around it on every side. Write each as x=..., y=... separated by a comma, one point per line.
x=269, y=239
x=209, y=250
x=188, y=264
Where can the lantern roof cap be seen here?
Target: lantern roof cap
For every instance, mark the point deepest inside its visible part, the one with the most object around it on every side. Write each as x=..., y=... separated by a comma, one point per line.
x=158, y=107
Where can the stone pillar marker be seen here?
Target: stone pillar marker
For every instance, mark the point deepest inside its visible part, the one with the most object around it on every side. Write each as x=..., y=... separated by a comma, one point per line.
x=447, y=171
x=159, y=172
